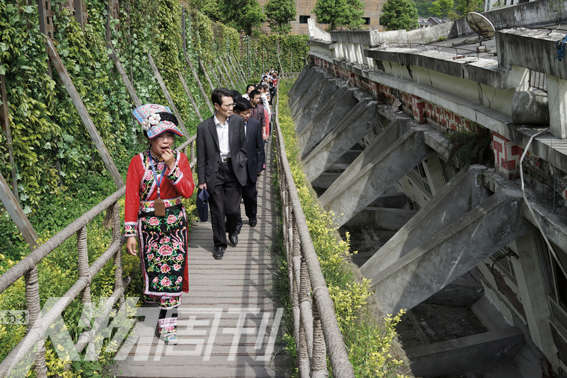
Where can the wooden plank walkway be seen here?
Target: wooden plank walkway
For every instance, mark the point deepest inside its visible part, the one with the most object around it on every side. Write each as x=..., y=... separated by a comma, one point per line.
x=232, y=294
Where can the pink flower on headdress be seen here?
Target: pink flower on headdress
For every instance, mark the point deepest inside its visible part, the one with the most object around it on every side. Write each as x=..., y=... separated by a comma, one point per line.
x=171, y=219
x=176, y=267
x=165, y=282
x=165, y=268
x=154, y=221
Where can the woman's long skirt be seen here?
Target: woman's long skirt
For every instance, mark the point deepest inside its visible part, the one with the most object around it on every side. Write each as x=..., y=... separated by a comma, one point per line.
x=164, y=245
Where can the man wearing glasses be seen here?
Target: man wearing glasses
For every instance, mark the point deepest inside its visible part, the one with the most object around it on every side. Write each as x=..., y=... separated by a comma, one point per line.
x=221, y=167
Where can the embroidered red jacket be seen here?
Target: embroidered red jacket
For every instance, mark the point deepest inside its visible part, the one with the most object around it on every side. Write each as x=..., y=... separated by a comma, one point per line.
x=141, y=186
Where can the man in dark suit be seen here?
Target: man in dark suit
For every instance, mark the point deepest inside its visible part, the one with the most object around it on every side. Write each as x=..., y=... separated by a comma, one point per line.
x=221, y=167
x=256, y=158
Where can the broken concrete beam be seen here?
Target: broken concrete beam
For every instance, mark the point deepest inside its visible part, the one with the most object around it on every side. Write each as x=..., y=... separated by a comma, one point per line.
x=465, y=354
x=312, y=106
x=314, y=83
x=392, y=155
x=299, y=81
x=312, y=76
x=328, y=118
x=360, y=120
x=458, y=196
x=450, y=253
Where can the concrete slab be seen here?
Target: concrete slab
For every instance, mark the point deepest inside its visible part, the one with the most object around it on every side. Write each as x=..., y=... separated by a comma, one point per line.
x=451, y=252
x=466, y=354
x=313, y=100
x=392, y=155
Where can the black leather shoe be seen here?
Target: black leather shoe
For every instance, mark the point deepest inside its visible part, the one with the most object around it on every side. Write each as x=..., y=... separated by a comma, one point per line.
x=233, y=239
x=252, y=222
x=218, y=253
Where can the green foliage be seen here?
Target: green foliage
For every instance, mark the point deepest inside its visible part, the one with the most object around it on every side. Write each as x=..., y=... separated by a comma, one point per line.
x=339, y=13
x=59, y=172
x=442, y=8
x=261, y=53
x=423, y=8
x=279, y=14
x=399, y=14
x=209, y=8
x=368, y=341
x=244, y=15
x=462, y=7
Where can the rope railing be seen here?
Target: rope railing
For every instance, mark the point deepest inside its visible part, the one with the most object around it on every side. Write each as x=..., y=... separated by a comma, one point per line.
x=27, y=267
x=316, y=329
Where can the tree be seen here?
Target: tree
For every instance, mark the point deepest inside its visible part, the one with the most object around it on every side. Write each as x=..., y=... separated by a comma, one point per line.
x=399, y=14
x=339, y=13
x=208, y=7
x=279, y=14
x=243, y=15
x=462, y=7
x=442, y=8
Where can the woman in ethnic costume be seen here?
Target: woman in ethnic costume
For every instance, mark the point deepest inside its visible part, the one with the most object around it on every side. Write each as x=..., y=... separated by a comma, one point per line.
x=156, y=181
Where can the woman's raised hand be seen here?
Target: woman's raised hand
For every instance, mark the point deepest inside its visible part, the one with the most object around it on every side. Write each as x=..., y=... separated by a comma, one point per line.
x=132, y=246
x=169, y=158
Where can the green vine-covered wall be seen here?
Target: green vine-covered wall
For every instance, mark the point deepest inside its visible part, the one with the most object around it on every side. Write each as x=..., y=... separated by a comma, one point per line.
x=60, y=174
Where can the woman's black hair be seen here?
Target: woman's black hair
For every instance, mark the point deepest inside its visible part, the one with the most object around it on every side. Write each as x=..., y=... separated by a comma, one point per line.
x=167, y=116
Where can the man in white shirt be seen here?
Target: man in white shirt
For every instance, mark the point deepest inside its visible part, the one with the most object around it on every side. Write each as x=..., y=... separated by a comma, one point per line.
x=221, y=168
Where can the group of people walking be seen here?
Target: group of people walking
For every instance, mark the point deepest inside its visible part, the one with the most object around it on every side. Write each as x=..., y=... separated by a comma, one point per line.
x=230, y=158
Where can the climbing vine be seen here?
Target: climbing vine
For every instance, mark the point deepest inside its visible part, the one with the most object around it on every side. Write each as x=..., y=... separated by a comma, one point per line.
x=60, y=174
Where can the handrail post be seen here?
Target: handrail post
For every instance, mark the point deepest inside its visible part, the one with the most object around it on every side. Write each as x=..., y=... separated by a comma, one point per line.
x=306, y=305
x=302, y=355
x=116, y=234
x=84, y=264
x=319, y=357
x=33, y=306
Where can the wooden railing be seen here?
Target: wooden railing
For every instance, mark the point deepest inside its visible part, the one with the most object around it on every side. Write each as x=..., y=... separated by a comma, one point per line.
x=27, y=268
x=316, y=329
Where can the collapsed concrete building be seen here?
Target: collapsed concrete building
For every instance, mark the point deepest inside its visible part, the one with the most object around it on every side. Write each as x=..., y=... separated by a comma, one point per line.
x=444, y=155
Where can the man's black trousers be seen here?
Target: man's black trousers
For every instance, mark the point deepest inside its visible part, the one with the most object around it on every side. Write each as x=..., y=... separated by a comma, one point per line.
x=225, y=202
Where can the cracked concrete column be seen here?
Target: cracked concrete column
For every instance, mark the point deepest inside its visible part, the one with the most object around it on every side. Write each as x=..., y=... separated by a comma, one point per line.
x=531, y=272
x=557, y=101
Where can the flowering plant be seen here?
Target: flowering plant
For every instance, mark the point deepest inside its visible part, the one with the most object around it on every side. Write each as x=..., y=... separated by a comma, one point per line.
x=152, y=120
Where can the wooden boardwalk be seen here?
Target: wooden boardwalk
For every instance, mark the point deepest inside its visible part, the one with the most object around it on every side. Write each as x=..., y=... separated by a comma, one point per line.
x=234, y=296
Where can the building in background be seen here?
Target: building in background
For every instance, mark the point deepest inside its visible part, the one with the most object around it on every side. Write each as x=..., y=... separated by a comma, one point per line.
x=304, y=11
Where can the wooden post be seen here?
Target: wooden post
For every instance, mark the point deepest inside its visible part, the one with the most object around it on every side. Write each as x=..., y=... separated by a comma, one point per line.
x=219, y=78
x=188, y=92
x=206, y=74
x=237, y=76
x=82, y=110
x=46, y=23
x=166, y=94
x=196, y=77
x=31, y=277
x=129, y=87
x=224, y=69
x=113, y=13
x=116, y=234
x=80, y=12
x=241, y=70
x=6, y=124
